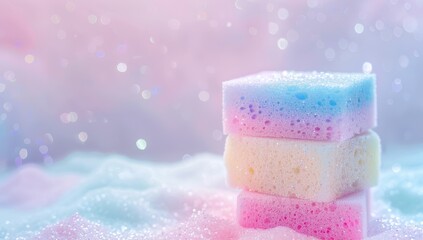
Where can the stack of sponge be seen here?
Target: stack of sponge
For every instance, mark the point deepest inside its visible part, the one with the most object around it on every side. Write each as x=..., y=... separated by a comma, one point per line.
x=300, y=146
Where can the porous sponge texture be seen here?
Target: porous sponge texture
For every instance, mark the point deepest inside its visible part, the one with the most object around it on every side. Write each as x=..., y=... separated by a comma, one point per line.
x=345, y=218
x=314, y=170
x=360, y=169
x=300, y=105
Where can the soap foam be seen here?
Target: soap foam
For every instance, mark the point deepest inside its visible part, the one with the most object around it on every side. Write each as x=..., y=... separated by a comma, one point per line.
x=316, y=106
x=74, y=227
x=24, y=192
x=169, y=201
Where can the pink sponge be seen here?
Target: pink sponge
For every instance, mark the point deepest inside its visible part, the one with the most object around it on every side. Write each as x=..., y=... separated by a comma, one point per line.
x=345, y=218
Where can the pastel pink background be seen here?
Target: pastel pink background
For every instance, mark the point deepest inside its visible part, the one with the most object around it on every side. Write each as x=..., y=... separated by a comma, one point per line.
x=60, y=57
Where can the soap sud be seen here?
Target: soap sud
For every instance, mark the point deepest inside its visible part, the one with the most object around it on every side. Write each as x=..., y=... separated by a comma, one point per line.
x=24, y=191
x=112, y=197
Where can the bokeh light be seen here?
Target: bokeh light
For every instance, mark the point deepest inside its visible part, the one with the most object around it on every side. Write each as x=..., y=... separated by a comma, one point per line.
x=142, y=79
x=101, y=66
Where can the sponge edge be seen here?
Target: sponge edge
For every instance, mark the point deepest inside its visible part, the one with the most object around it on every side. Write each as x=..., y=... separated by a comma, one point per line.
x=300, y=105
x=345, y=218
x=314, y=170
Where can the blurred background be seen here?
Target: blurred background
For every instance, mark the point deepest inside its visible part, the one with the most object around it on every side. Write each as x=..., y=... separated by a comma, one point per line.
x=143, y=77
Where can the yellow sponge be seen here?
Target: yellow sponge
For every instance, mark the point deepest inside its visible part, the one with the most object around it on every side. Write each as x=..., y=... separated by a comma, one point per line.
x=314, y=170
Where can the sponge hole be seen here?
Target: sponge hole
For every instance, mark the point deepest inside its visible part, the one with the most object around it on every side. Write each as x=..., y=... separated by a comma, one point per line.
x=301, y=96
